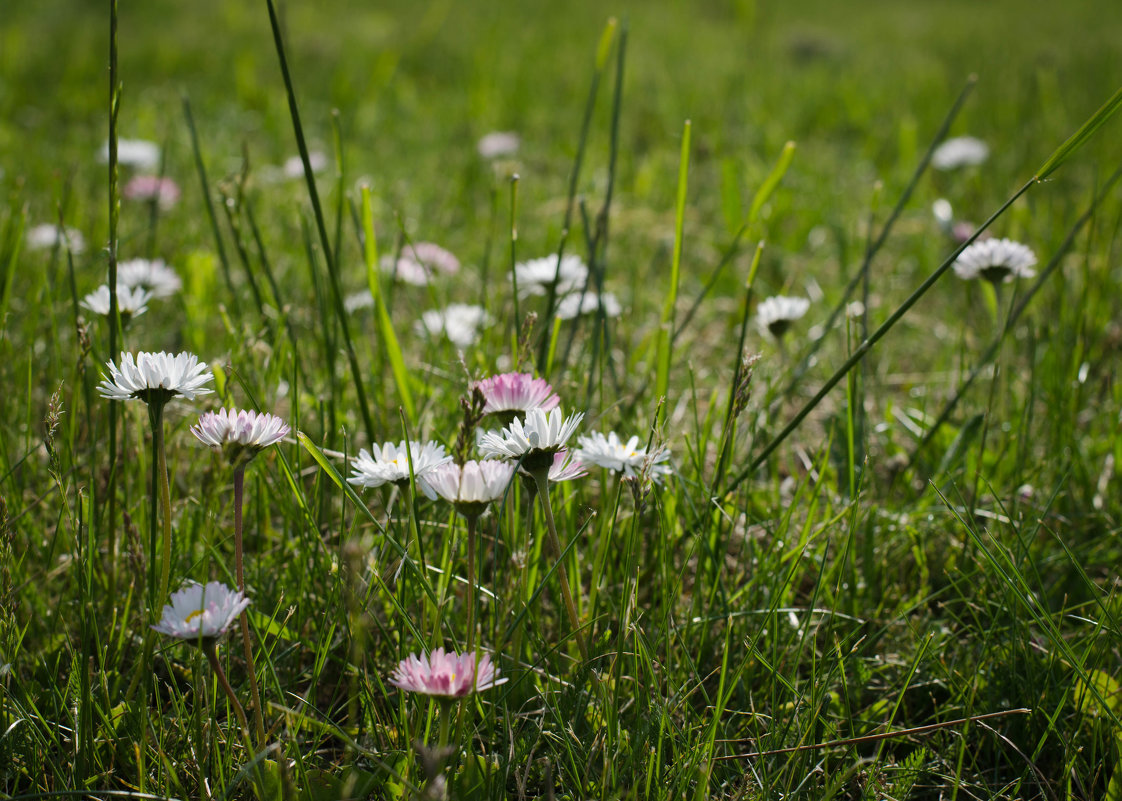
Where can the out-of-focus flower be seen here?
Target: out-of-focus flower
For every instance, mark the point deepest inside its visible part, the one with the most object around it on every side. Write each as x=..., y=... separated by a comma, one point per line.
x=535, y=276
x=130, y=302
x=459, y=322
x=240, y=435
x=995, y=260
x=775, y=314
x=151, y=274
x=156, y=377
x=162, y=190
x=446, y=674
x=961, y=151
x=139, y=153
x=497, y=144
x=617, y=456
x=199, y=612
x=389, y=463
x=577, y=303
x=358, y=300
x=46, y=235
x=420, y=262
x=294, y=166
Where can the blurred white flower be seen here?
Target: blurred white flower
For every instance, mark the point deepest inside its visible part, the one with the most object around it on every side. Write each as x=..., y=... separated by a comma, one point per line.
x=576, y=303
x=961, y=151
x=151, y=274
x=294, y=166
x=139, y=153
x=498, y=143
x=46, y=235
x=535, y=276
x=775, y=314
x=130, y=302
x=164, y=191
x=459, y=322
x=419, y=263
x=995, y=260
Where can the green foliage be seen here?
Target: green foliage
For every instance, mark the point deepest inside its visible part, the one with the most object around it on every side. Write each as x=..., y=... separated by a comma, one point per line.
x=822, y=566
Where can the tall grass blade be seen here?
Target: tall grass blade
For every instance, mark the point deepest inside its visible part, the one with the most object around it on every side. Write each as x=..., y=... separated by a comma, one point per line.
x=1077, y=139
x=666, y=323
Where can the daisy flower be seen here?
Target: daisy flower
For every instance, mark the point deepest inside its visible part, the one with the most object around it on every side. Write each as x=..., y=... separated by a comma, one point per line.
x=389, y=463
x=294, y=166
x=130, y=302
x=156, y=377
x=961, y=151
x=995, y=260
x=470, y=487
x=565, y=467
x=535, y=276
x=163, y=191
x=151, y=274
x=577, y=303
x=46, y=235
x=628, y=458
x=511, y=394
x=775, y=314
x=201, y=612
x=138, y=153
x=446, y=674
x=240, y=435
x=357, y=301
x=419, y=262
x=533, y=441
x=459, y=322
x=497, y=144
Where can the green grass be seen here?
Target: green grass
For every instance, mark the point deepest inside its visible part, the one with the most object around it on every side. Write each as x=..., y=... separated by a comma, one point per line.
x=755, y=620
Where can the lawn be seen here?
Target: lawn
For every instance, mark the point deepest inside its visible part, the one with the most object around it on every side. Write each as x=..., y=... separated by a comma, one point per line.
x=859, y=543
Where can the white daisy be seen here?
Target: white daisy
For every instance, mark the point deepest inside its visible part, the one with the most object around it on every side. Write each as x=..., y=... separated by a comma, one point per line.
x=389, y=463
x=197, y=612
x=577, y=303
x=156, y=377
x=961, y=151
x=995, y=260
x=617, y=456
x=46, y=235
x=497, y=144
x=535, y=276
x=775, y=314
x=470, y=487
x=294, y=166
x=138, y=153
x=420, y=262
x=151, y=274
x=241, y=435
x=459, y=322
x=358, y=300
x=130, y=302
x=533, y=441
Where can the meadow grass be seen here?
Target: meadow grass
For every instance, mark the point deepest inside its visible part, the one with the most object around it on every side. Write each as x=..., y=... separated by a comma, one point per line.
x=878, y=562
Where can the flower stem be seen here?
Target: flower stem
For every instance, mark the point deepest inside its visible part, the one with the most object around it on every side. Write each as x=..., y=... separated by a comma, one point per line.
x=243, y=619
x=471, y=519
x=541, y=480
x=210, y=648
x=163, y=487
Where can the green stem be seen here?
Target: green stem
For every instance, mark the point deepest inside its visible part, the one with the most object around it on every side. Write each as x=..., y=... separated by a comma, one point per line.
x=243, y=619
x=162, y=487
x=541, y=480
x=471, y=521
x=210, y=648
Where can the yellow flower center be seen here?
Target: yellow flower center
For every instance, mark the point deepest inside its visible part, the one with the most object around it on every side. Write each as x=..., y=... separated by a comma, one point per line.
x=193, y=615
